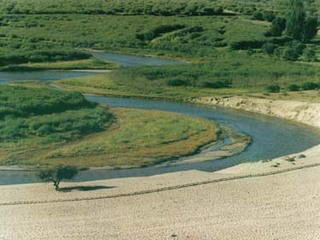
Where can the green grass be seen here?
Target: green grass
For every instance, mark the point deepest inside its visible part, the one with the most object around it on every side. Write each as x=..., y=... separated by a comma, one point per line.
x=86, y=64
x=137, y=138
x=105, y=84
x=242, y=73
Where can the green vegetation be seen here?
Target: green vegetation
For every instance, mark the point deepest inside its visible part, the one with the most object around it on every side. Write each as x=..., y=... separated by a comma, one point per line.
x=116, y=7
x=300, y=26
x=16, y=57
x=236, y=75
x=57, y=174
x=139, y=138
x=244, y=47
x=47, y=116
x=86, y=64
x=227, y=54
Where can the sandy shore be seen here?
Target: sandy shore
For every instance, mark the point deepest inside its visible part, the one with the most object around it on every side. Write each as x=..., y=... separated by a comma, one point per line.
x=277, y=199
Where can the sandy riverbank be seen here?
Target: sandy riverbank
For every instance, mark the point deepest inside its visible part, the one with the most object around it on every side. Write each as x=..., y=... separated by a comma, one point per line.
x=302, y=112
x=276, y=199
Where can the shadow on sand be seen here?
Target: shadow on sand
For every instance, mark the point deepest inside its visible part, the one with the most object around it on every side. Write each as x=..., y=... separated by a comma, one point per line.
x=84, y=188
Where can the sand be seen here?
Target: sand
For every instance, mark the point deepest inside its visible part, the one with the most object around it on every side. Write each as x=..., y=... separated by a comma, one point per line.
x=278, y=199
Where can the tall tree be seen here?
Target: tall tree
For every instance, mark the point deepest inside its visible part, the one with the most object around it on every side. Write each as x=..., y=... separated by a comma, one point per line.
x=300, y=26
x=296, y=19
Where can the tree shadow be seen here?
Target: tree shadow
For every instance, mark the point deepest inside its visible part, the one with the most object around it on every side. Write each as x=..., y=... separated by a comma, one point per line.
x=84, y=188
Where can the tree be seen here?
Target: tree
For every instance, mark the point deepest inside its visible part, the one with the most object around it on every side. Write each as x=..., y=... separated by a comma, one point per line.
x=55, y=175
x=311, y=28
x=277, y=27
x=296, y=19
x=299, y=25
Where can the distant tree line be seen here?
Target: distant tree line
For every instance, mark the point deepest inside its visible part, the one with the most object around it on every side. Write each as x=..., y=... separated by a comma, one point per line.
x=113, y=7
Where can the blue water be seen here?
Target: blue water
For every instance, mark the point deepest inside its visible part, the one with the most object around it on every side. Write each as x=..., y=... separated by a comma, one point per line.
x=46, y=76
x=131, y=61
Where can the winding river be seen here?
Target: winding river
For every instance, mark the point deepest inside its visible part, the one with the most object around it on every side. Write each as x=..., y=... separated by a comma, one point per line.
x=272, y=137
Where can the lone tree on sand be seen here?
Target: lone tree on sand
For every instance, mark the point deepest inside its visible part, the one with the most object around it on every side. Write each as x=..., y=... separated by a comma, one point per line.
x=55, y=175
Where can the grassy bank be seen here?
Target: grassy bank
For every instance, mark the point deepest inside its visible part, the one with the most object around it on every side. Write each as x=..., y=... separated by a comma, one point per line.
x=86, y=64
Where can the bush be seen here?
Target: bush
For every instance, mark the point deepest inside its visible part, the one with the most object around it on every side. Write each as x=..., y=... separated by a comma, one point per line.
x=273, y=89
x=177, y=82
x=293, y=87
x=244, y=45
x=277, y=27
x=310, y=86
x=310, y=28
x=269, y=48
x=217, y=84
x=290, y=54
x=269, y=16
x=42, y=56
x=258, y=16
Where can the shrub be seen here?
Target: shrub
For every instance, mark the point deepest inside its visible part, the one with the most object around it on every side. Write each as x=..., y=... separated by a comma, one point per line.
x=244, y=45
x=273, y=88
x=290, y=54
x=258, y=16
x=277, y=27
x=217, y=84
x=269, y=16
x=177, y=82
x=293, y=87
x=310, y=28
x=269, y=48
x=310, y=86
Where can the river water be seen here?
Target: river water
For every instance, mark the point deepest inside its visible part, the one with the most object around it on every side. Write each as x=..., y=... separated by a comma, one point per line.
x=272, y=137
